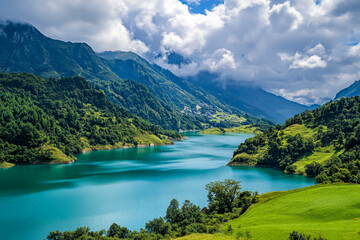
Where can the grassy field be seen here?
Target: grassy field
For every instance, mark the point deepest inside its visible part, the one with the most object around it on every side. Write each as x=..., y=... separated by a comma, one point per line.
x=332, y=211
x=199, y=236
x=320, y=155
x=221, y=116
x=240, y=129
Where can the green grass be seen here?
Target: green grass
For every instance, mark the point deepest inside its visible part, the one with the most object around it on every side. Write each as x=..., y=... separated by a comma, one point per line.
x=221, y=116
x=332, y=211
x=56, y=155
x=241, y=129
x=6, y=165
x=212, y=131
x=146, y=139
x=202, y=236
x=303, y=130
x=248, y=159
x=320, y=155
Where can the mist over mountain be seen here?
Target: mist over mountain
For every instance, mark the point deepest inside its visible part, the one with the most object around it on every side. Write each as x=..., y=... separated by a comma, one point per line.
x=249, y=98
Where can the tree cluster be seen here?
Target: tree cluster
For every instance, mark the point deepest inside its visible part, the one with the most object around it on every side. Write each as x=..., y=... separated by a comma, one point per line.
x=178, y=221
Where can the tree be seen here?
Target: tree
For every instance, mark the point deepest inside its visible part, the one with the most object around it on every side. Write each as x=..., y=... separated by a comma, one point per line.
x=117, y=231
x=223, y=195
x=158, y=226
x=173, y=214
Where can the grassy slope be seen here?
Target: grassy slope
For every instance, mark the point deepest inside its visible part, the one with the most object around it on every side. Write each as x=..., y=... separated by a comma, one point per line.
x=199, y=236
x=57, y=156
x=6, y=165
x=320, y=154
x=333, y=211
x=240, y=129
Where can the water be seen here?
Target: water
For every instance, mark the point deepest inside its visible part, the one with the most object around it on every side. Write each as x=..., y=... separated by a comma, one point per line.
x=126, y=186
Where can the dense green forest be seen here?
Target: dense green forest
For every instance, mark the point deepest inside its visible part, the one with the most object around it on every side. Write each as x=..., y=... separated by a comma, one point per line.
x=226, y=201
x=324, y=143
x=50, y=119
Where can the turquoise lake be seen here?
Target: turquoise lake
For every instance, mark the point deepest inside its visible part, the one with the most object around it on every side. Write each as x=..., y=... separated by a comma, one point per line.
x=126, y=186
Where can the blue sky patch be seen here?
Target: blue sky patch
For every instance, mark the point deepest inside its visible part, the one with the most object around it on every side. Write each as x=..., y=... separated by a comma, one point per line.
x=204, y=4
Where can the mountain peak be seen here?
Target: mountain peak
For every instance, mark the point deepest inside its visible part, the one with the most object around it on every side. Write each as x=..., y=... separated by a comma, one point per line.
x=121, y=55
x=351, y=91
x=19, y=32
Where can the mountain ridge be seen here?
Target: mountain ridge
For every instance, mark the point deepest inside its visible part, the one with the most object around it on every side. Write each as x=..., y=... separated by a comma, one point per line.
x=350, y=91
x=161, y=100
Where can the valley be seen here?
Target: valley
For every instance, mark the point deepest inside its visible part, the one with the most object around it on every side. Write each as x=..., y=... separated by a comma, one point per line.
x=181, y=119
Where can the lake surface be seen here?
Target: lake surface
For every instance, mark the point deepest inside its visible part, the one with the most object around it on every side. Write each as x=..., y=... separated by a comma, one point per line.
x=126, y=186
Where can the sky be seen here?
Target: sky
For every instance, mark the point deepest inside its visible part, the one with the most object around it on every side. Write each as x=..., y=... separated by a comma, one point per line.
x=303, y=50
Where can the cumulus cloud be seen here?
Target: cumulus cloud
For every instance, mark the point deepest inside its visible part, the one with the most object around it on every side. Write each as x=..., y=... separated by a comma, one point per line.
x=278, y=44
x=300, y=61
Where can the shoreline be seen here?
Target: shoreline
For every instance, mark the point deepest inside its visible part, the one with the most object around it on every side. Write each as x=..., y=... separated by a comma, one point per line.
x=91, y=149
x=265, y=166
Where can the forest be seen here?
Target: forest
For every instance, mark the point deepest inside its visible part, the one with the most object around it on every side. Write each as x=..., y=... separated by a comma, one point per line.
x=329, y=136
x=45, y=120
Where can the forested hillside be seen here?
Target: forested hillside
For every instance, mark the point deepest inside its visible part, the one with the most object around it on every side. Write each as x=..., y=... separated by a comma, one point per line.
x=45, y=120
x=324, y=143
x=129, y=81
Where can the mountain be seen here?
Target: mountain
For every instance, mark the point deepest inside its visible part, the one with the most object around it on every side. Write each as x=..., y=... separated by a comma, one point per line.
x=351, y=91
x=25, y=49
x=174, y=91
x=146, y=92
x=47, y=120
x=249, y=98
x=324, y=143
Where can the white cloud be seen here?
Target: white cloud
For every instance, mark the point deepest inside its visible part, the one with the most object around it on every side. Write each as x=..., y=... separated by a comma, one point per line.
x=304, y=96
x=240, y=39
x=354, y=51
x=313, y=61
x=221, y=59
x=318, y=49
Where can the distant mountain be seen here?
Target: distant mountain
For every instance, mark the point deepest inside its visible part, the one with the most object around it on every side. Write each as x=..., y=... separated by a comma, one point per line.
x=248, y=98
x=176, y=92
x=351, y=91
x=147, y=92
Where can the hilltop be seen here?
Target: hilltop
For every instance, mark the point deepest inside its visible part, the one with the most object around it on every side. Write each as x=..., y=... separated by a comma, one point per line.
x=323, y=143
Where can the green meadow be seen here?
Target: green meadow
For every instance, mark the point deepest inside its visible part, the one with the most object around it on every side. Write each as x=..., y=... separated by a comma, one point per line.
x=330, y=211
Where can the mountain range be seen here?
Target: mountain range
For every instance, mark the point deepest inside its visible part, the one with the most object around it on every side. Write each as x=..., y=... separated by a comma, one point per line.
x=249, y=98
x=145, y=89
x=128, y=80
